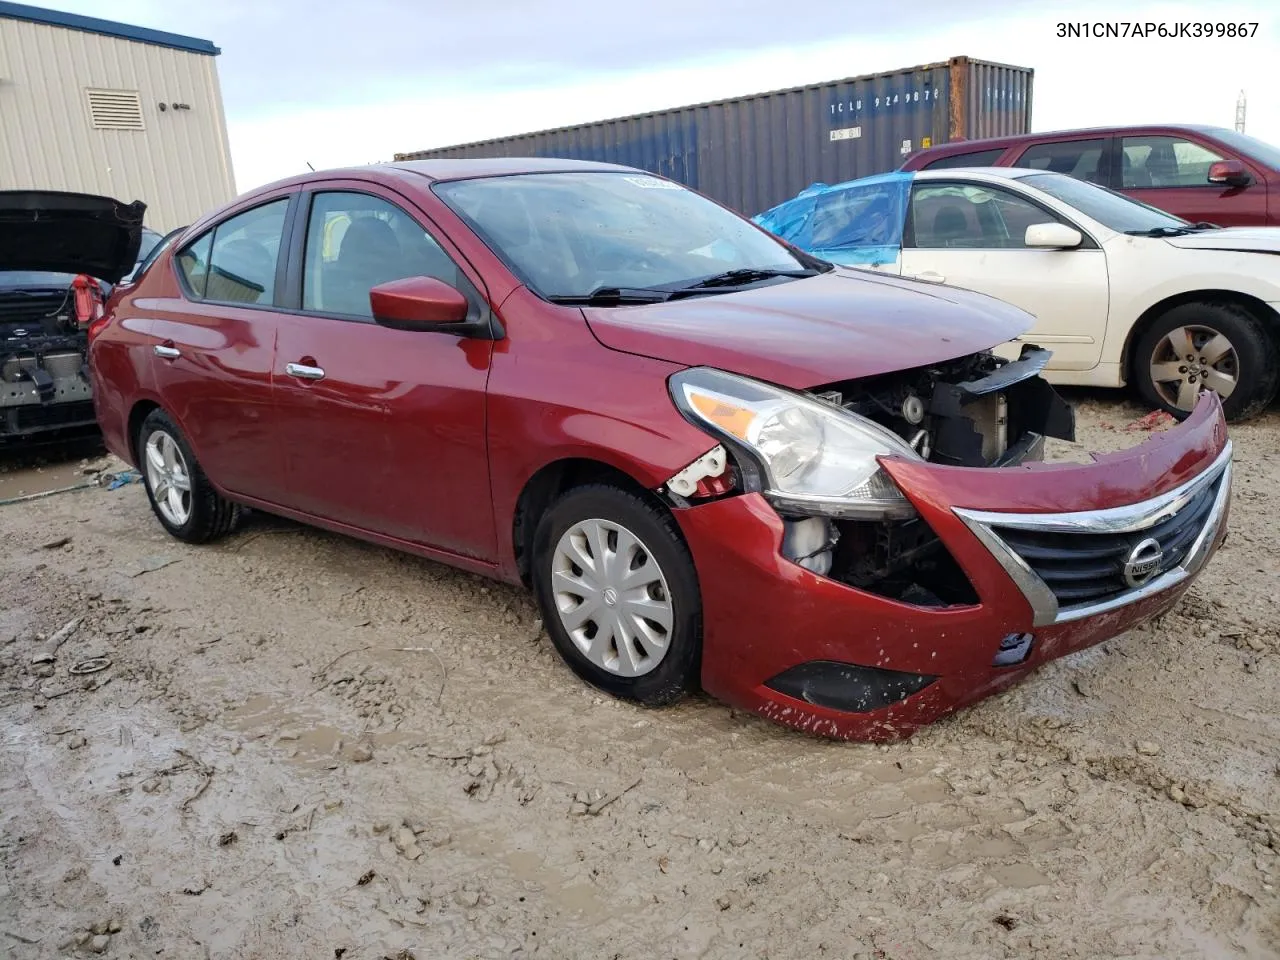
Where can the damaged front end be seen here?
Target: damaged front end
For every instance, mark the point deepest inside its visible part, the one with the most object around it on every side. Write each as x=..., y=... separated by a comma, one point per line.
x=58, y=253
x=847, y=520
x=44, y=373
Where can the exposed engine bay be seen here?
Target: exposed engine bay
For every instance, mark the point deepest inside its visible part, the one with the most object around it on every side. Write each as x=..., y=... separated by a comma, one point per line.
x=977, y=411
x=44, y=376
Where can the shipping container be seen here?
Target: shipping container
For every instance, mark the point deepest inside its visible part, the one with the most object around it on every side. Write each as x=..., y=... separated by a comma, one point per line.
x=756, y=151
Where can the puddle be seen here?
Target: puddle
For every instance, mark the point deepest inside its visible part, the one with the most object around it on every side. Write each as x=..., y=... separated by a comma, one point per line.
x=25, y=470
x=306, y=740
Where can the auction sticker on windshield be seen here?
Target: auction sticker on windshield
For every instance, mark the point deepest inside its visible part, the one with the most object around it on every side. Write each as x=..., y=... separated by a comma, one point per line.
x=653, y=183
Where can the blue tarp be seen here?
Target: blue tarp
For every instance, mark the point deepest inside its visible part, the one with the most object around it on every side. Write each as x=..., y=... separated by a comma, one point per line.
x=860, y=221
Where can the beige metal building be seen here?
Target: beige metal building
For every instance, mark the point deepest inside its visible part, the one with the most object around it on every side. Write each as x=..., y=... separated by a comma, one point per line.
x=95, y=106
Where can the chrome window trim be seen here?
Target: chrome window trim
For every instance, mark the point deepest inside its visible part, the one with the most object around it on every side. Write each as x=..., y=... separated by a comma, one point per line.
x=1130, y=518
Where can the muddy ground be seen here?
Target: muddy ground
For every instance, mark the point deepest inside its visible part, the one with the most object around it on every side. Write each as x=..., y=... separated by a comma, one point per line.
x=304, y=746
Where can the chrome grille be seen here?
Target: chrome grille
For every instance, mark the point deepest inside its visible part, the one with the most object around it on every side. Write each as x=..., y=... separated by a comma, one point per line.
x=1085, y=567
x=1073, y=565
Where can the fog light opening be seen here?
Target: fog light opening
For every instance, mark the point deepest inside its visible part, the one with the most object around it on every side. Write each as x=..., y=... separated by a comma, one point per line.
x=1014, y=649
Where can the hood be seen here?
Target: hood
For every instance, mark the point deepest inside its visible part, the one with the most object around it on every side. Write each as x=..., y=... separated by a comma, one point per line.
x=1247, y=239
x=69, y=233
x=836, y=326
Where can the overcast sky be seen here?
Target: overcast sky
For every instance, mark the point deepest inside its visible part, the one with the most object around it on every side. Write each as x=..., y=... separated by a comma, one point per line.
x=358, y=82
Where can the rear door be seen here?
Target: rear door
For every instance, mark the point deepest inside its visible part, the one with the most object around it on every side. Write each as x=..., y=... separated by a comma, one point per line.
x=213, y=346
x=381, y=429
x=1171, y=173
x=972, y=235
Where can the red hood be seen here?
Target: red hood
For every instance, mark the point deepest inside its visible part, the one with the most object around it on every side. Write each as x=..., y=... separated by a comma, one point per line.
x=840, y=325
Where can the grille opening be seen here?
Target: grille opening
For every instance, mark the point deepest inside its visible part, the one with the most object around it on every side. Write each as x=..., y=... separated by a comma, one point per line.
x=115, y=109
x=900, y=560
x=1086, y=568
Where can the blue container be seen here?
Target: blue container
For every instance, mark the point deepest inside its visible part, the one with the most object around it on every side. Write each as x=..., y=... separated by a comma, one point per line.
x=753, y=152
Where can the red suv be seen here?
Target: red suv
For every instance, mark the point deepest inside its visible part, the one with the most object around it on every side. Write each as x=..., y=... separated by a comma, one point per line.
x=1198, y=173
x=713, y=458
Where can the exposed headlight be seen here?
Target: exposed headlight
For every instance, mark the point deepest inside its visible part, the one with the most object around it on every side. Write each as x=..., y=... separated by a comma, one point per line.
x=814, y=458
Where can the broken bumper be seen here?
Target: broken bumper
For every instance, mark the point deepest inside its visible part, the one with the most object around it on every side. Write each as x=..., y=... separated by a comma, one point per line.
x=788, y=643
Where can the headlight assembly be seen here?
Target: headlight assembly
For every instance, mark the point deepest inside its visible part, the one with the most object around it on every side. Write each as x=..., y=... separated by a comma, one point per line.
x=814, y=458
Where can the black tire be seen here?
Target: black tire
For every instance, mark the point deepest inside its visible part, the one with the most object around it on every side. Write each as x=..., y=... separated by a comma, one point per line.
x=211, y=515
x=677, y=671
x=1256, y=366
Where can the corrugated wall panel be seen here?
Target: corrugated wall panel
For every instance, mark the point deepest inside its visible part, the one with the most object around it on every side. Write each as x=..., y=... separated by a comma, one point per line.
x=179, y=164
x=753, y=152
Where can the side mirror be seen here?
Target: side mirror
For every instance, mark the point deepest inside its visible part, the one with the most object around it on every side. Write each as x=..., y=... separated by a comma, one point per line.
x=417, y=303
x=1055, y=236
x=1232, y=173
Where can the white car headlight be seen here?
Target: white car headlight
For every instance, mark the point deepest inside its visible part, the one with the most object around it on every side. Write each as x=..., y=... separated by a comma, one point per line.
x=815, y=458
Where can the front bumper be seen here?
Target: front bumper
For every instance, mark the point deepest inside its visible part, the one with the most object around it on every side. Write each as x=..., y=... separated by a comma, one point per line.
x=44, y=391
x=764, y=615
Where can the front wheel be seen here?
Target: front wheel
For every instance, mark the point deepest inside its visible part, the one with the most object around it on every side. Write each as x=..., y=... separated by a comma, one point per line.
x=1207, y=346
x=619, y=593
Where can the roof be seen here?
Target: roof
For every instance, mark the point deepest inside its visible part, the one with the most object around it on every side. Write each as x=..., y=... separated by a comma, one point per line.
x=964, y=146
x=106, y=28
x=464, y=168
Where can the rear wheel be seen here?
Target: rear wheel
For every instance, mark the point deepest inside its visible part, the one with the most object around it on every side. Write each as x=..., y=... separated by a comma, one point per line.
x=1207, y=346
x=182, y=498
x=619, y=593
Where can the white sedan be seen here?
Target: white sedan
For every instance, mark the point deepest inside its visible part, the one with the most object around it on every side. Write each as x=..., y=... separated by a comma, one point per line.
x=1121, y=292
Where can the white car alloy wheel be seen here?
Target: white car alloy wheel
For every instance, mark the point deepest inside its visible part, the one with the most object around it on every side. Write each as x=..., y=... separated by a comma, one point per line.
x=168, y=478
x=1191, y=358
x=612, y=597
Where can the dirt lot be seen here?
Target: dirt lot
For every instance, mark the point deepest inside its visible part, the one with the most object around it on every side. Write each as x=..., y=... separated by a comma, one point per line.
x=308, y=747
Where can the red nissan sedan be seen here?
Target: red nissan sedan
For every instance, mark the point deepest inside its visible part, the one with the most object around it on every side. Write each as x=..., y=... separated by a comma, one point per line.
x=715, y=459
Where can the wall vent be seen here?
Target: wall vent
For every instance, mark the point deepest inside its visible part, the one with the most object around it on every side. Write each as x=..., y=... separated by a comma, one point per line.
x=115, y=109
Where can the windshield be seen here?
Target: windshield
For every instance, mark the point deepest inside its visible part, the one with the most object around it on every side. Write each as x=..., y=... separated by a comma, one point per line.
x=1257, y=150
x=1109, y=208
x=14, y=279
x=571, y=234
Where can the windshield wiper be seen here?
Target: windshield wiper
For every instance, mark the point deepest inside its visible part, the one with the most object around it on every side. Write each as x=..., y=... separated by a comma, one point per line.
x=734, y=278
x=611, y=297
x=1161, y=232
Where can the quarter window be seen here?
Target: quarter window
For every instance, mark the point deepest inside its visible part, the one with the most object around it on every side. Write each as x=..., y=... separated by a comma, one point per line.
x=193, y=264
x=356, y=242
x=972, y=217
x=1081, y=159
x=1164, y=162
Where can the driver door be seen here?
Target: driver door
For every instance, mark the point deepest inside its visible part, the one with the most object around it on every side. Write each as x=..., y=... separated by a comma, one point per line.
x=972, y=235
x=381, y=430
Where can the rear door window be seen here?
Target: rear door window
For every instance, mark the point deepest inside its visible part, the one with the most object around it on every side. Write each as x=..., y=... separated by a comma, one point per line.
x=246, y=248
x=1164, y=162
x=1081, y=159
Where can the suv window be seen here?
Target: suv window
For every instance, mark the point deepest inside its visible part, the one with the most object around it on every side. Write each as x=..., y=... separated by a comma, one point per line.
x=975, y=158
x=355, y=242
x=1081, y=159
x=972, y=217
x=1164, y=162
x=241, y=266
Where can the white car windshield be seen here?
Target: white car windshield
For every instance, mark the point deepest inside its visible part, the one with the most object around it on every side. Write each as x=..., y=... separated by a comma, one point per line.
x=1109, y=208
x=573, y=235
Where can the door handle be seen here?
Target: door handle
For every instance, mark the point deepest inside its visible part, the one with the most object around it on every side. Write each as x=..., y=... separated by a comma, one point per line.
x=304, y=372
x=167, y=352
x=928, y=276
